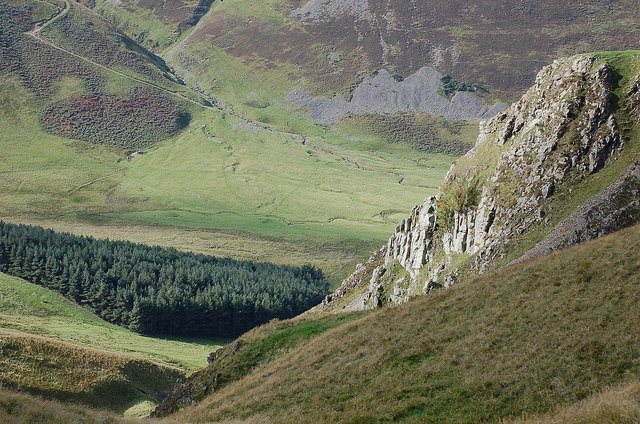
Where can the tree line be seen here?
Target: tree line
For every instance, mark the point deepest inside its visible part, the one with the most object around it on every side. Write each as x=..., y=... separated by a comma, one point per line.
x=156, y=290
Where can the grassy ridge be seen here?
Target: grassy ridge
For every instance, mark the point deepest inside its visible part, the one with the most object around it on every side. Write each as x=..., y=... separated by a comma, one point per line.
x=68, y=372
x=26, y=409
x=255, y=348
x=36, y=310
x=526, y=340
x=155, y=24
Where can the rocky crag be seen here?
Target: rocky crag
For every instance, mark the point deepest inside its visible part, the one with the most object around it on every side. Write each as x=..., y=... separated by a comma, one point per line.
x=384, y=93
x=559, y=167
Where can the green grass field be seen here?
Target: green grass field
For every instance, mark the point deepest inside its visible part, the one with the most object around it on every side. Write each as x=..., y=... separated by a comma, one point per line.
x=328, y=202
x=36, y=310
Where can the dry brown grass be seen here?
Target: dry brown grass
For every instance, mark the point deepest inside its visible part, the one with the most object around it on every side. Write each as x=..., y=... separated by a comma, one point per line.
x=521, y=342
x=618, y=405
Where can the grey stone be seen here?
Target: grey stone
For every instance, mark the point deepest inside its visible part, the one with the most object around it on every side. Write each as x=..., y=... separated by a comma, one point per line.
x=316, y=10
x=383, y=94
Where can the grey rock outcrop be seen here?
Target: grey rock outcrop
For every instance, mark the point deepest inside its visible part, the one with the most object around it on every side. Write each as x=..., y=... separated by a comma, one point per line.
x=382, y=93
x=616, y=207
x=527, y=164
x=314, y=10
x=411, y=244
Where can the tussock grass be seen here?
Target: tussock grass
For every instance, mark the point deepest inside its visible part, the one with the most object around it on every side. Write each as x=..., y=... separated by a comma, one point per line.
x=617, y=405
x=67, y=372
x=21, y=408
x=523, y=341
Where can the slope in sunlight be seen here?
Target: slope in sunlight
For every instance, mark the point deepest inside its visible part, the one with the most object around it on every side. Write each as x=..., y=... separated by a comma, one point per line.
x=527, y=340
x=40, y=311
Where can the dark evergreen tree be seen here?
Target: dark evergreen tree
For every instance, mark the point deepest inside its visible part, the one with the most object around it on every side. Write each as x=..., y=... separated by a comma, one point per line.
x=155, y=290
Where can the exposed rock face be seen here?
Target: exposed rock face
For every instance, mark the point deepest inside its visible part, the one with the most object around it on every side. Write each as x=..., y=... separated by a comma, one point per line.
x=525, y=167
x=616, y=207
x=412, y=241
x=317, y=9
x=382, y=93
x=361, y=277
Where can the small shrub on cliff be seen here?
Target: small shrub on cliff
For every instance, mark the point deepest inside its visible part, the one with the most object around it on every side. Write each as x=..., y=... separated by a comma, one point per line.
x=457, y=197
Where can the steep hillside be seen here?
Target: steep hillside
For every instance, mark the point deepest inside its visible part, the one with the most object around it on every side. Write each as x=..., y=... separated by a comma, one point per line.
x=330, y=46
x=92, y=81
x=249, y=352
x=153, y=23
x=532, y=339
x=559, y=167
x=40, y=311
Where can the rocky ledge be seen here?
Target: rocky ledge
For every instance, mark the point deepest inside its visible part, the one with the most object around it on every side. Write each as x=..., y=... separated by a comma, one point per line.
x=533, y=175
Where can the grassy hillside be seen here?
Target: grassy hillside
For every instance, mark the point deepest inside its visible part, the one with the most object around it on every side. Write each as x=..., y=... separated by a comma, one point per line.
x=26, y=409
x=527, y=340
x=249, y=190
x=617, y=405
x=250, y=351
x=68, y=372
x=36, y=310
x=155, y=24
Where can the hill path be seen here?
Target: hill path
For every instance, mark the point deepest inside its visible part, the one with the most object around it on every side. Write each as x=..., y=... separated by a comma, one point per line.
x=36, y=33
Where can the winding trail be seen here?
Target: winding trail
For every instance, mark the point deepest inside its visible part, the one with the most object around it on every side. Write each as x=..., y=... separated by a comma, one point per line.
x=36, y=33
